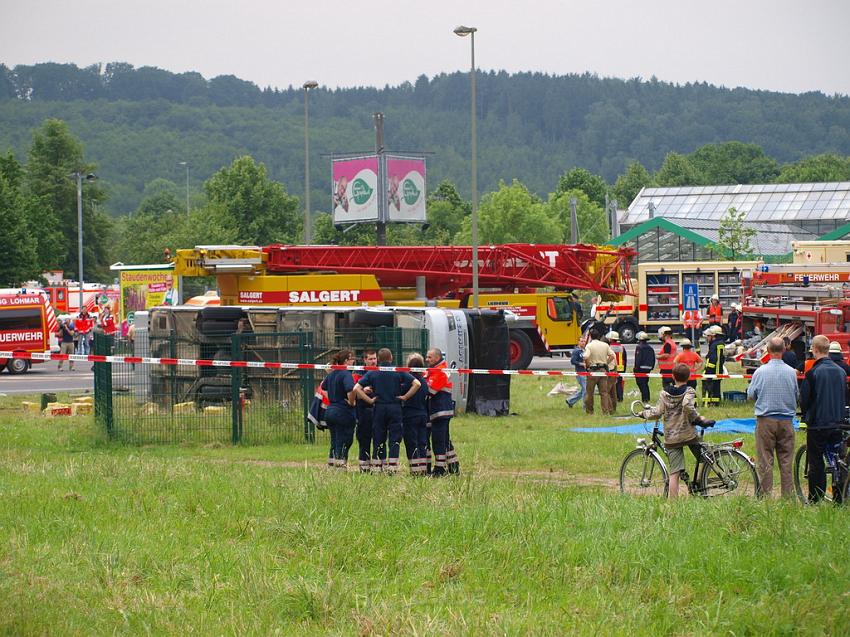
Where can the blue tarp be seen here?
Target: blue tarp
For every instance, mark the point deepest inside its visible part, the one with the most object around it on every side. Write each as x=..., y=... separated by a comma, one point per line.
x=729, y=425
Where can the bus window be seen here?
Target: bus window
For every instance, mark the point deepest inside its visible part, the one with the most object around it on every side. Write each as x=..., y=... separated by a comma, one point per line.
x=559, y=308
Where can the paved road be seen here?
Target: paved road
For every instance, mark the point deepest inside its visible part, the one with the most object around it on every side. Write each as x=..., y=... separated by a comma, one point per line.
x=558, y=362
x=46, y=378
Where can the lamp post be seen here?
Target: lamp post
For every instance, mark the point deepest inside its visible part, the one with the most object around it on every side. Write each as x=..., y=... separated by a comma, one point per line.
x=185, y=163
x=463, y=31
x=308, y=222
x=79, y=176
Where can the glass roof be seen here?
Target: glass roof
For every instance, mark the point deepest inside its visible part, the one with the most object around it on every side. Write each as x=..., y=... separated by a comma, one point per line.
x=760, y=202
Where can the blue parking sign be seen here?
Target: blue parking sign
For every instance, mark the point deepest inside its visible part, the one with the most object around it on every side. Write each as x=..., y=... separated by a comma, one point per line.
x=691, y=297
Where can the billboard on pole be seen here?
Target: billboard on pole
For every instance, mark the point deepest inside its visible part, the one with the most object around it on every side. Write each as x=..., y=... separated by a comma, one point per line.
x=355, y=189
x=405, y=188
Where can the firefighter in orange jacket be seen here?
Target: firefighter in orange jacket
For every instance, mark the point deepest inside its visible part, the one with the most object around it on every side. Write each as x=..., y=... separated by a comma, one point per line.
x=441, y=408
x=715, y=312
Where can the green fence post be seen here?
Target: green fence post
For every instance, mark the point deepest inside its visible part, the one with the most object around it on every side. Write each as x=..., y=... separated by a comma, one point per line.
x=103, y=412
x=235, y=402
x=308, y=382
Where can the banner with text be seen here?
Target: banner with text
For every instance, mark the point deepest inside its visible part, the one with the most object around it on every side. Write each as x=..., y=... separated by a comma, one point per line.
x=406, y=189
x=144, y=289
x=355, y=189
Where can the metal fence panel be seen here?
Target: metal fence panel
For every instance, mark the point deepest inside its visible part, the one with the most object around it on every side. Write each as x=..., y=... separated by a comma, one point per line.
x=145, y=404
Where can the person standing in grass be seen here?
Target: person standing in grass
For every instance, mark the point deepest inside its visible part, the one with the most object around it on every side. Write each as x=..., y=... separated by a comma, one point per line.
x=774, y=388
x=387, y=418
x=414, y=421
x=644, y=364
x=666, y=355
x=677, y=408
x=364, y=418
x=621, y=359
x=339, y=415
x=441, y=409
x=690, y=358
x=577, y=361
x=598, y=356
x=822, y=401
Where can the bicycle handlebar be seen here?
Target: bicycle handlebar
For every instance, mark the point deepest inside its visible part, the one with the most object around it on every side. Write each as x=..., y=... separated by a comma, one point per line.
x=637, y=413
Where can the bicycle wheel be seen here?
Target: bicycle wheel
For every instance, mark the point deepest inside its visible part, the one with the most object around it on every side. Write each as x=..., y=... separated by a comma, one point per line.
x=643, y=473
x=732, y=473
x=801, y=474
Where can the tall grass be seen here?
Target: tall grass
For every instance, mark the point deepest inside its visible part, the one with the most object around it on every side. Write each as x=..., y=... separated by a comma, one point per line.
x=99, y=538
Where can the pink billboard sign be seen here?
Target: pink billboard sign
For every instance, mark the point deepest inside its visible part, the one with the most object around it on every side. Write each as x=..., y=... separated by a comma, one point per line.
x=405, y=189
x=355, y=189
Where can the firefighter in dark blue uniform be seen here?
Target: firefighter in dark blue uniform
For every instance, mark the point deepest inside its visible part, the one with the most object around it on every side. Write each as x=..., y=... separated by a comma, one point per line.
x=414, y=420
x=387, y=397
x=364, y=417
x=339, y=415
x=714, y=364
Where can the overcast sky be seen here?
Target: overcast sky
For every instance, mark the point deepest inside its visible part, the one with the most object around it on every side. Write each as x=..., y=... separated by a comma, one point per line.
x=782, y=45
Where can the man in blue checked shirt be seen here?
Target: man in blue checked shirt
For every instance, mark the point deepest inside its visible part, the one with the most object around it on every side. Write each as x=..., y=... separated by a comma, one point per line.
x=774, y=388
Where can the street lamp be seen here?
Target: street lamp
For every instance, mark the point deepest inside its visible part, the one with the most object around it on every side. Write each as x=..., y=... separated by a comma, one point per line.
x=79, y=176
x=308, y=222
x=185, y=163
x=463, y=32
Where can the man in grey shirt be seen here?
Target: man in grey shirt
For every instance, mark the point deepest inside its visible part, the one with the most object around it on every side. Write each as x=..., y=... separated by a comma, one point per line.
x=774, y=388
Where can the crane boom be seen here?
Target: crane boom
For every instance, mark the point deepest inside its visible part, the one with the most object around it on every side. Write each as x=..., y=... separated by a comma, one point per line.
x=449, y=268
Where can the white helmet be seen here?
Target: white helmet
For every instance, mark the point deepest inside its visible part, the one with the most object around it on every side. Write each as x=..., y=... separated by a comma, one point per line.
x=662, y=331
x=714, y=297
x=642, y=336
x=613, y=336
x=685, y=342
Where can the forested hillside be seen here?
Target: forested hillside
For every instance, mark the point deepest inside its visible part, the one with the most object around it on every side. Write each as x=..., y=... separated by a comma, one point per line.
x=137, y=125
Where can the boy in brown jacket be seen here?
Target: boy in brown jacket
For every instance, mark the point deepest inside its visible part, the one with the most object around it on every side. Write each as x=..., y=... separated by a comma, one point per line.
x=677, y=408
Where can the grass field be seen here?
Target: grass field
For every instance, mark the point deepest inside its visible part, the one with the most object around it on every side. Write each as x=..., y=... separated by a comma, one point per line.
x=532, y=539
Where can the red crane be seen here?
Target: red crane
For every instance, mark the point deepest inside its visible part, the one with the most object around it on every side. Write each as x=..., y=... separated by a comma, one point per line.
x=448, y=269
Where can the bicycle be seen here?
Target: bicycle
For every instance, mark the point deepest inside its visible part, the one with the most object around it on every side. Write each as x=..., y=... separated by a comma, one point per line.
x=836, y=459
x=721, y=469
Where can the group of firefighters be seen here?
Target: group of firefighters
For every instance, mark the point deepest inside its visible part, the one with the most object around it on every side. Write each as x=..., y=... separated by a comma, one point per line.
x=598, y=352
x=382, y=408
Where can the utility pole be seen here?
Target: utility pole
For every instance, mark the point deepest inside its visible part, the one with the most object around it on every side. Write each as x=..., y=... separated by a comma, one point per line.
x=381, y=238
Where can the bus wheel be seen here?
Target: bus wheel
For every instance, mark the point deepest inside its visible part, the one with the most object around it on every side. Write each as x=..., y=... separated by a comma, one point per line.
x=18, y=365
x=521, y=349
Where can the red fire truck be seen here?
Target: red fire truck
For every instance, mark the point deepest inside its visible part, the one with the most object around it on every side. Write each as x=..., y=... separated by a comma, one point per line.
x=797, y=301
x=27, y=323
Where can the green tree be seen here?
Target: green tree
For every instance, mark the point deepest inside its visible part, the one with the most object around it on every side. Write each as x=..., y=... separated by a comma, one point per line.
x=53, y=156
x=20, y=255
x=512, y=215
x=630, y=183
x=827, y=167
x=734, y=237
x=592, y=222
x=582, y=179
x=446, y=212
x=260, y=208
x=733, y=163
x=677, y=170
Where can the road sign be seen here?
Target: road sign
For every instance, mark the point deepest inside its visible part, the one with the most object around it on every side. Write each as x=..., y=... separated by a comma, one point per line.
x=691, y=297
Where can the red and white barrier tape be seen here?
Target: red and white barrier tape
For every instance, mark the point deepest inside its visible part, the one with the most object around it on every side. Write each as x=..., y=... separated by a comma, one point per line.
x=142, y=360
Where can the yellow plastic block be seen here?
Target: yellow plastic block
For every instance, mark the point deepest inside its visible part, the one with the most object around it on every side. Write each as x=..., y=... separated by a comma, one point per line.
x=57, y=409
x=82, y=409
x=215, y=409
x=149, y=409
x=184, y=408
x=30, y=406
x=89, y=400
